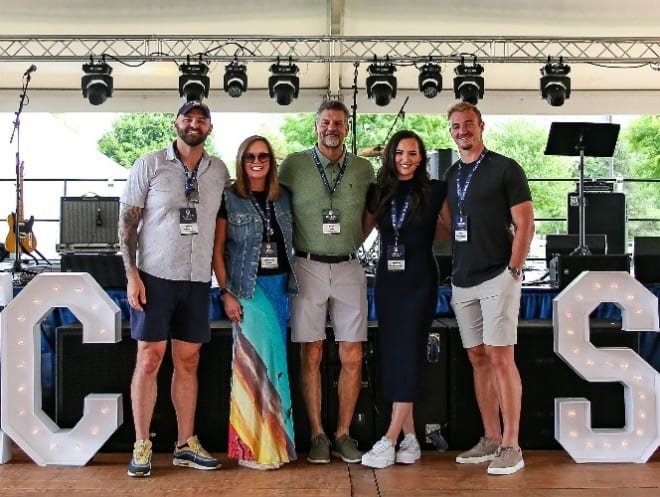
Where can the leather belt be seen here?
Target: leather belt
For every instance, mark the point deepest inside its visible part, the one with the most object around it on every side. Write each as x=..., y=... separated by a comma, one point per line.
x=328, y=259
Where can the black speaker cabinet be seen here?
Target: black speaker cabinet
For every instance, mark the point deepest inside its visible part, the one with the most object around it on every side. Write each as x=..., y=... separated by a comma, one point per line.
x=570, y=266
x=432, y=412
x=107, y=368
x=646, y=259
x=563, y=244
x=106, y=269
x=88, y=224
x=442, y=250
x=605, y=212
x=544, y=376
x=439, y=160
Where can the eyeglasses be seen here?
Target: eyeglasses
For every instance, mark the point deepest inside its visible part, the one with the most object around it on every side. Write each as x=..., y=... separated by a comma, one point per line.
x=262, y=157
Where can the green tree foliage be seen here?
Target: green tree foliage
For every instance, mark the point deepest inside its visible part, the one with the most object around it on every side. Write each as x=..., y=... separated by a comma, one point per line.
x=525, y=142
x=133, y=135
x=643, y=137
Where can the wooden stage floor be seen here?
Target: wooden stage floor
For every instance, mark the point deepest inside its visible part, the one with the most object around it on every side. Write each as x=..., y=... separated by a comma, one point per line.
x=547, y=474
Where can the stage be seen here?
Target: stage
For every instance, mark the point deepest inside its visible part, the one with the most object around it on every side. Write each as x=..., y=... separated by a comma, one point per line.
x=549, y=473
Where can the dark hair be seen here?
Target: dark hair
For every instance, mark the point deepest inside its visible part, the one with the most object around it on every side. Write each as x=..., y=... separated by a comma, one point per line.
x=242, y=184
x=387, y=177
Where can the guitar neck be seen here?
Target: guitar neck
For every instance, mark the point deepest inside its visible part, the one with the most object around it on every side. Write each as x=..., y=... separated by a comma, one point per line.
x=19, y=186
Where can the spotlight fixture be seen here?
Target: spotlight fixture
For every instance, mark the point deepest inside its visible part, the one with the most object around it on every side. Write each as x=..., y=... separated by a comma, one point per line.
x=283, y=84
x=468, y=83
x=555, y=83
x=194, y=83
x=235, y=79
x=96, y=84
x=430, y=80
x=381, y=83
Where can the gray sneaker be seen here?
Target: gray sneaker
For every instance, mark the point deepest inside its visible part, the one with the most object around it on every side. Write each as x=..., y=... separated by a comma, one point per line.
x=319, y=450
x=506, y=462
x=346, y=449
x=484, y=451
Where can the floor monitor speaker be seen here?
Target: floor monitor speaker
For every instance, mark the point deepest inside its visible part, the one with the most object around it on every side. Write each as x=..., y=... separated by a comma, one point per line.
x=646, y=259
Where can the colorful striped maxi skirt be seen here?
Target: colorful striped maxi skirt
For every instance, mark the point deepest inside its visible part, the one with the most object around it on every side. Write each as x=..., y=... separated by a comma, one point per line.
x=260, y=414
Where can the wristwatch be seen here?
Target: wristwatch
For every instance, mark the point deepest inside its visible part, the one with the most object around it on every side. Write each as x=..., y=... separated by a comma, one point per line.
x=515, y=271
x=223, y=291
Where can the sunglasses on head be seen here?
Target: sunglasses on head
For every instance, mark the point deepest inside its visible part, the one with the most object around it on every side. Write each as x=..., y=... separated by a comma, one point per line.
x=262, y=157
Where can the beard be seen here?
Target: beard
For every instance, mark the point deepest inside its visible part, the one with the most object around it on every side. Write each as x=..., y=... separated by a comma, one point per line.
x=191, y=140
x=332, y=141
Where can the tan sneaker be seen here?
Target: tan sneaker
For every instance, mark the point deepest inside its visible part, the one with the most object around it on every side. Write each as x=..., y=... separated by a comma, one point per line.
x=484, y=451
x=193, y=455
x=140, y=464
x=506, y=462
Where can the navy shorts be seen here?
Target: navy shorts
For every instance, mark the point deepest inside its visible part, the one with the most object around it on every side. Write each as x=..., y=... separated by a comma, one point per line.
x=174, y=310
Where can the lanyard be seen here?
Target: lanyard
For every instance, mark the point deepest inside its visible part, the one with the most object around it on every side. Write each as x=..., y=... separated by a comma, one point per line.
x=397, y=221
x=324, y=177
x=461, y=191
x=190, y=181
x=265, y=216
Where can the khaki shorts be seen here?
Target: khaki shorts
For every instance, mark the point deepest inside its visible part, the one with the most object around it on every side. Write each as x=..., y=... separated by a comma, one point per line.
x=341, y=290
x=488, y=313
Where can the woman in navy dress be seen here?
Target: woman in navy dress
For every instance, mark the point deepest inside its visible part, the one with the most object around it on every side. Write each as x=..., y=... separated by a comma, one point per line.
x=404, y=205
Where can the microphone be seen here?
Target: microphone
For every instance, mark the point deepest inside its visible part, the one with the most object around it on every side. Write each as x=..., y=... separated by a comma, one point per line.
x=30, y=70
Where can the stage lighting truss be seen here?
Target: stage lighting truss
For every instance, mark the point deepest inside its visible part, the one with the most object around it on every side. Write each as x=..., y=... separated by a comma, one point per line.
x=96, y=84
x=468, y=82
x=381, y=83
x=194, y=83
x=555, y=83
x=235, y=81
x=430, y=80
x=283, y=84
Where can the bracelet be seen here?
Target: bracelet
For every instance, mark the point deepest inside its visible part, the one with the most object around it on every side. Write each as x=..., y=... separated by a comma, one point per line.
x=223, y=291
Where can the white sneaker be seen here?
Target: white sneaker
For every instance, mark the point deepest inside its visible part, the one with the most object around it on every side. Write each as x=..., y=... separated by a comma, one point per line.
x=381, y=454
x=409, y=451
x=256, y=465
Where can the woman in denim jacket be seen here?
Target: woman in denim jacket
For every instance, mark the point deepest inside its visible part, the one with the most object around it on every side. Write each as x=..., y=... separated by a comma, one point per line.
x=253, y=262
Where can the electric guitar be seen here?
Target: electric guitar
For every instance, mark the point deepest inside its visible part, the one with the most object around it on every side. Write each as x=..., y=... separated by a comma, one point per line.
x=26, y=238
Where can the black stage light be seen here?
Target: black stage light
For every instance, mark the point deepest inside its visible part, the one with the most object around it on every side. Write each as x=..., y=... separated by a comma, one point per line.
x=468, y=83
x=381, y=83
x=235, y=82
x=555, y=83
x=96, y=83
x=430, y=80
x=283, y=84
x=194, y=84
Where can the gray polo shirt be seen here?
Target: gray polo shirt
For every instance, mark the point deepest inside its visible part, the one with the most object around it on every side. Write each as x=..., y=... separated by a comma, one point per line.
x=310, y=198
x=157, y=185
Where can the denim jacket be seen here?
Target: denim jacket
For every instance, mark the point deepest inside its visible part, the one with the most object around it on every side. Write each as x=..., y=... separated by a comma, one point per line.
x=244, y=232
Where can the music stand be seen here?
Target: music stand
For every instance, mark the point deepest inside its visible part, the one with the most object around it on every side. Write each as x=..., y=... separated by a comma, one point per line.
x=582, y=139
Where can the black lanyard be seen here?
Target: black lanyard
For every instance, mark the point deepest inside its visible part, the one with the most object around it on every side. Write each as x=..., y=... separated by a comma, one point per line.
x=461, y=191
x=266, y=216
x=324, y=177
x=397, y=221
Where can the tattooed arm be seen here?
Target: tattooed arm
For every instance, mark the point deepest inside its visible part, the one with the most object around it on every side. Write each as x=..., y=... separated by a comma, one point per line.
x=129, y=219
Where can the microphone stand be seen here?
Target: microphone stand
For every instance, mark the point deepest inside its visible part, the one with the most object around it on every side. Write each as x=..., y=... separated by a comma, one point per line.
x=16, y=132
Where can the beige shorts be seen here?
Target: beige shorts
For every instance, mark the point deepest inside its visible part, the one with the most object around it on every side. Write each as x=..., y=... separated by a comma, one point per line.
x=488, y=313
x=341, y=290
